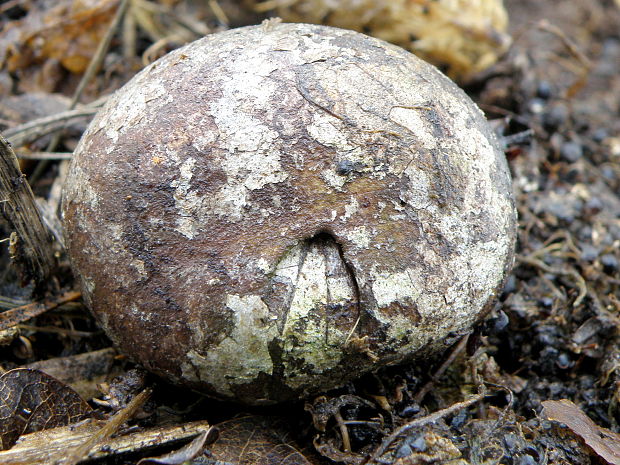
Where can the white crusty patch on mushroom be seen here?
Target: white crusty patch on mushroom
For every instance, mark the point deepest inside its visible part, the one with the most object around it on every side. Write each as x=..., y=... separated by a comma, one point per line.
x=253, y=329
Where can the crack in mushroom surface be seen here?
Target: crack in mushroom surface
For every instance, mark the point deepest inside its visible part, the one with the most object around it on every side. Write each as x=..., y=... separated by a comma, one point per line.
x=267, y=213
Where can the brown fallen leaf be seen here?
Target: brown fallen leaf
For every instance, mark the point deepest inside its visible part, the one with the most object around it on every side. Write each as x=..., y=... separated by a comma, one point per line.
x=83, y=372
x=69, y=33
x=605, y=443
x=186, y=453
x=256, y=440
x=32, y=401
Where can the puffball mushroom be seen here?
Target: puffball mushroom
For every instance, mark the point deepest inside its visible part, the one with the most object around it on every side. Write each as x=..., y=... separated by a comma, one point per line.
x=272, y=211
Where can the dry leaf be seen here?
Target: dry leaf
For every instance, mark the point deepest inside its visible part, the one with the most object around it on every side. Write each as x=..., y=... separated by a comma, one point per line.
x=605, y=443
x=81, y=371
x=32, y=401
x=466, y=36
x=186, y=453
x=65, y=32
x=255, y=440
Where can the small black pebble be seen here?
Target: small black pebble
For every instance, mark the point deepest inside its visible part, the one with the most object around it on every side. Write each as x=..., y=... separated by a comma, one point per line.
x=544, y=90
x=585, y=233
x=564, y=361
x=610, y=263
x=586, y=382
x=511, y=442
x=410, y=410
x=546, y=302
x=571, y=151
x=536, y=105
x=589, y=395
x=589, y=252
x=345, y=167
x=501, y=322
x=419, y=444
x=511, y=286
x=459, y=419
x=403, y=451
x=608, y=173
x=556, y=116
x=600, y=135
x=593, y=206
x=555, y=389
x=526, y=460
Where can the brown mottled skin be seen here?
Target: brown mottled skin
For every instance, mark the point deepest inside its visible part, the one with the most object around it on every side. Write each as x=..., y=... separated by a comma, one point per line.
x=269, y=212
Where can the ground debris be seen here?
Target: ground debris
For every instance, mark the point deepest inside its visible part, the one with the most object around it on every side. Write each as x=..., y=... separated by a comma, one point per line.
x=603, y=442
x=51, y=445
x=33, y=401
x=258, y=440
x=30, y=243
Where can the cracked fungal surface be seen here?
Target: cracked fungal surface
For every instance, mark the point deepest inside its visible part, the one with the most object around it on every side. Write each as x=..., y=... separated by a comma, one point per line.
x=271, y=211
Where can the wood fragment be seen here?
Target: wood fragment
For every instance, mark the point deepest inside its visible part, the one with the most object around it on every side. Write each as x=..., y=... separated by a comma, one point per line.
x=28, y=132
x=25, y=312
x=31, y=242
x=51, y=445
x=99, y=438
x=45, y=156
x=456, y=350
x=187, y=453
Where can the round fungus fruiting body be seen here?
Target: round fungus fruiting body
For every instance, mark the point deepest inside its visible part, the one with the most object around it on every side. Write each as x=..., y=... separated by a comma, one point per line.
x=271, y=211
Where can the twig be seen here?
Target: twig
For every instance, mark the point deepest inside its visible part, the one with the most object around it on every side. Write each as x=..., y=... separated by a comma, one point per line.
x=518, y=138
x=27, y=132
x=546, y=26
x=586, y=64
x=509, y=406
x=81, y=452
x=432, y=418
x=30, y=241
x=9, y=302
x=267, y=5
x=25, y=312
x=219, y=13
x=458, y=348
x=93, y=67
x=579, y=281
x=45, y=155
x=344, y=432
x=56, y=330
x=129, y=34
x=8, y=5
x=150, y=54
x=97, y=59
